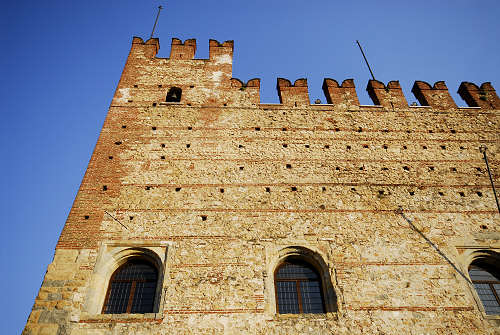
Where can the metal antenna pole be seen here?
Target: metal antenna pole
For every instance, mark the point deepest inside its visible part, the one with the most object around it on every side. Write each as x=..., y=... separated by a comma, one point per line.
x=483, y=149
x=156, y=21
x=366, y=60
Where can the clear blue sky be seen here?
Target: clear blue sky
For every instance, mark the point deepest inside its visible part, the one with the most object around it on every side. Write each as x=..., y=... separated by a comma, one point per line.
x=61, y=61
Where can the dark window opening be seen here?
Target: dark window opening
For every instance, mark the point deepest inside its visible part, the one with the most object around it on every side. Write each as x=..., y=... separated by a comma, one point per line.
x=485, y=276
x=132, y=288
x=174, y=95
x=298, y=288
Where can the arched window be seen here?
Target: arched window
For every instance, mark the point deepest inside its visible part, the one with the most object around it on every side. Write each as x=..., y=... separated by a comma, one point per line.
x=298, y=288
x=174, y=94
x=485, y=276
x=132, y=288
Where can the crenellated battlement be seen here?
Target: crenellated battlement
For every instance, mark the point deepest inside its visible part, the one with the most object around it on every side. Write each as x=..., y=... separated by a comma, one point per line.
x=217, y=71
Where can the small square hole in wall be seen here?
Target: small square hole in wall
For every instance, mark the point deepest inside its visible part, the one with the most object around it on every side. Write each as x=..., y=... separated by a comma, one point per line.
x=327, y=146
x=162, y=157
x=453, y=169
x=190, y=128
x=322, y=207
x=289, y=166
x=348, y=147
x=483, y=226
x=189, y=104
x=268, y=189
x=462, y=194
x=283, y=129
x=225, y=104
x=257, y=128
x=412, y=193
x=285, y=145
x=384, y=146
x=307, y=145
x=365, y=146
x=130, y=218
x=462, y=148
x=191, y=86
x=337, y=129
x=177, y=189
x=148, y=188
x=110, y=157
x=240, y=146
x=154, y=128
x=406, y=168
x=353, y=189
x=160, y=86
x=241, y=168
x=381, y=192
x=385, y=130
x=154, y=104
x=408, y=131
x=361, y=168
x=385, y=169
x=136, y=86
x=123, y=127
x=104, y=187
x=203, y=218
x=443, y=147
x=86, y=217
x=424, y=147
x=405, y=147
x=221, y=190
x=478, y=169
x=323, y=189
x=479, y=194
x=188, y=145
x=294, y=188
x=162, y=145
x=453, y=131
x=431, y=168
x=118, y=142
x=430, y=131
x=130, y=100
x=337, y=168
x=360, y=130
x=441, y=193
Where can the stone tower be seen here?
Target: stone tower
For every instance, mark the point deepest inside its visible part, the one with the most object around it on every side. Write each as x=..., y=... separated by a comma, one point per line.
x=292, y=218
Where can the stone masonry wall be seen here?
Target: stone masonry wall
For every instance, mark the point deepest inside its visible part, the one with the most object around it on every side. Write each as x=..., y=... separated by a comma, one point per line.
x=221, y=186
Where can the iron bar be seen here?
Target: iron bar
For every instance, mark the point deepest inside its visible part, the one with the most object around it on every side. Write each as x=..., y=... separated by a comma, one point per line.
x=366, y=60
x=400, y=211
x=483, y=149
x=116, y=220
x=156, y=21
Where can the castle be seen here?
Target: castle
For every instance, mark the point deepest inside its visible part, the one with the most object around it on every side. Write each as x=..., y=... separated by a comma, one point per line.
x=204, y=211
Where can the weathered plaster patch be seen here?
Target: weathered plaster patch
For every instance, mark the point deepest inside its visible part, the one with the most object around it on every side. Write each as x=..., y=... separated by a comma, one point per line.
x=224, y=59
x=125, y=94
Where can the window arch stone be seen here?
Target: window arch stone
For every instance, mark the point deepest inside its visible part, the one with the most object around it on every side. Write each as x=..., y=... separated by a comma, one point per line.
x=111, y=257
x=309, y=257
x=488, y=261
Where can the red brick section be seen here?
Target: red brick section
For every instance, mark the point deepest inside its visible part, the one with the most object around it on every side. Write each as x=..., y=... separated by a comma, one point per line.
x=293, y=95
x=437, y=96
x=389, y=97
x=343, y=94
x=485, y=96
x=184, y=50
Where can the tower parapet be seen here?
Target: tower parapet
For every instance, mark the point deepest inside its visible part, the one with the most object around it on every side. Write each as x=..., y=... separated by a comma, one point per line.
x=148, y=49
x=340, y=94
x=437, y=97
x=484, y=96
x=185, y=50
x=390, y=96
x=293, y=95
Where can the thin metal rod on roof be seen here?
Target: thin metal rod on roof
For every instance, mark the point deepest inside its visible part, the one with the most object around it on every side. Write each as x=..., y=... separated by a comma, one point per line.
x=366, y=60
x=156, y=21
x=483, y=149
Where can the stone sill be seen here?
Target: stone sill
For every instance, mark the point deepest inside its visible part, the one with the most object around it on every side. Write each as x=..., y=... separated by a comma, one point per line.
x=124, y=317
x=307, y=316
